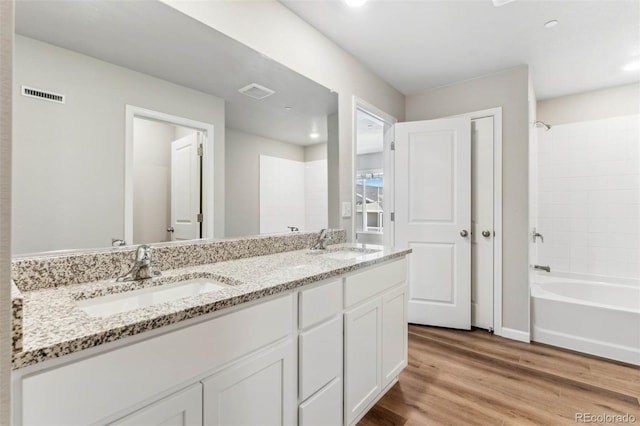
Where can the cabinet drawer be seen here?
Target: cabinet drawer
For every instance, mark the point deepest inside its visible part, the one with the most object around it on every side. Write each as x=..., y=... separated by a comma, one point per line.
x=324, y=408
x=320, y=303
x=373, y=280
x=320, y=356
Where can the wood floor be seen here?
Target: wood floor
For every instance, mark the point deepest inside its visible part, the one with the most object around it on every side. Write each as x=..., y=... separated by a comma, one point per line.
x=476, y=378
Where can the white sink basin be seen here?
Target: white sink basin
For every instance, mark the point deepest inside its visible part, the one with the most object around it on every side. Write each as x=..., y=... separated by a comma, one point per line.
x=112, y=304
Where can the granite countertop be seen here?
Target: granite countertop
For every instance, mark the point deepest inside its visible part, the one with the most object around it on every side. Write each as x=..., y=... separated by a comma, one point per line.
x=54, y=325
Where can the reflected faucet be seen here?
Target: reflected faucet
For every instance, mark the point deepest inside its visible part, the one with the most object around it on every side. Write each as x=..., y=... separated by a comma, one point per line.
x=142, y=268
x=118, y=242
x=321, y=241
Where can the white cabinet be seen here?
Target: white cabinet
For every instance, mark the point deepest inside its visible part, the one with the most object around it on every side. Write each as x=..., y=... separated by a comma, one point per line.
x=320, y=352
x=260, y=391
x=183, y=408
x=324, y=408
x=375, y=335
x=394, y=333
x=362, y=357
x=320, y=355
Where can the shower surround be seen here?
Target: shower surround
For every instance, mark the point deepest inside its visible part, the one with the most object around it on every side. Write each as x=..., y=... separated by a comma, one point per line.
x=589, y=197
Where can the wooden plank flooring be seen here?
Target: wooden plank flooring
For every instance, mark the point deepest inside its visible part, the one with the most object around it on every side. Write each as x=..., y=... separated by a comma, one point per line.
x=475, y=378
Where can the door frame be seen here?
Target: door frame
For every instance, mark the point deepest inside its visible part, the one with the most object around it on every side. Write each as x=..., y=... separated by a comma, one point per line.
x=132, y=112
x=496, y=113
x=388, y=236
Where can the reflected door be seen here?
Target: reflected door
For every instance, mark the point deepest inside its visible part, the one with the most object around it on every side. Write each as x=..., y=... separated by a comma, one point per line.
x=185, y=188
x=433, y=217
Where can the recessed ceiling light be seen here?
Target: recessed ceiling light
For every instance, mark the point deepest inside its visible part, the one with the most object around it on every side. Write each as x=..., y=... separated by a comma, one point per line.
x=550, y=24
x=314, y=135
x=355, y=3
x=288, y=108
x=632, y=66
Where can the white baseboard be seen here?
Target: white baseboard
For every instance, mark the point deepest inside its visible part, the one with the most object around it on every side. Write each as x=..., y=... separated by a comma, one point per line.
x=510, y=333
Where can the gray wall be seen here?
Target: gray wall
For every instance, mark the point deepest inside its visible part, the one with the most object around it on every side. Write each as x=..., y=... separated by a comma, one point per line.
x=243, y=153
x=509, y=90
x=69, y=159
x=6, y=86
x=315, y=152
x=594, y=105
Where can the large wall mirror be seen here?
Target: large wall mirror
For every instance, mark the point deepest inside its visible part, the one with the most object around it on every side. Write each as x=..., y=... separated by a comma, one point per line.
x=134, y=123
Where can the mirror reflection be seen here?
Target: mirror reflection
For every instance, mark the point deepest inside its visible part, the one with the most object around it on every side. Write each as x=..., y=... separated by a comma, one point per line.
x=126, y=133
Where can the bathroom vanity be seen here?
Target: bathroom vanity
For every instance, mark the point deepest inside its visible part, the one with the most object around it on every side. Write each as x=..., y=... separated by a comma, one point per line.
x=294, y=337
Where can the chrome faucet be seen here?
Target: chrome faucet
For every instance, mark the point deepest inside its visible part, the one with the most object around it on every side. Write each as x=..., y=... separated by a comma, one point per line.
x=542, y=268
x=321, y=241
x=142, y=268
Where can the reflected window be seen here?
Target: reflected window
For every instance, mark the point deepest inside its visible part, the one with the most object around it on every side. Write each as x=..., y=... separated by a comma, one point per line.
x=369, y=201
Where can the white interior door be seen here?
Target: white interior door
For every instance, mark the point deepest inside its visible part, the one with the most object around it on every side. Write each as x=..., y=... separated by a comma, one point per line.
x=185, y=188
x=482, y=238
x=433, y=217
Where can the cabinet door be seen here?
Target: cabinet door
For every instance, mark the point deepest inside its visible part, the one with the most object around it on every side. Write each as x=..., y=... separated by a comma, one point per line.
x=394, y=333
x=258, y=391
x=362, y=357
x=180, y=409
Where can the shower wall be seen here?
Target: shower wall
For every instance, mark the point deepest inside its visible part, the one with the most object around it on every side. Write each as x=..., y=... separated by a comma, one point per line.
x=589, y=197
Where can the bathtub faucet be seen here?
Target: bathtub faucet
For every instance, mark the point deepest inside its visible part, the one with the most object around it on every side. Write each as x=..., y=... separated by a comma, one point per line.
x=542, y=268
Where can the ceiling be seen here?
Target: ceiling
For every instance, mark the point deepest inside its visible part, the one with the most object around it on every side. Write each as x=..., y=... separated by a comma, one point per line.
x=423, y=44
x=134, y=35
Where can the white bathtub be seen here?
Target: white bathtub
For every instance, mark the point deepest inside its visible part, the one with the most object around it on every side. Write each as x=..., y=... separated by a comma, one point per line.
x=594, y=317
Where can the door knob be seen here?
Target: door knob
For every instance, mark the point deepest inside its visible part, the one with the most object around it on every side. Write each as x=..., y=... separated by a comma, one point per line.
x=170, y=229
x=486, y=233
x=464, y=233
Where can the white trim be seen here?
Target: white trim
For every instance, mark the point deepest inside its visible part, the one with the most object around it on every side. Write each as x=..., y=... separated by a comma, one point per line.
x=207, y=165
x=510, y=333
x=388, y=234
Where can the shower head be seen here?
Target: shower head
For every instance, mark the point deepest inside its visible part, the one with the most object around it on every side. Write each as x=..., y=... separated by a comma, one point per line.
x=542, y=124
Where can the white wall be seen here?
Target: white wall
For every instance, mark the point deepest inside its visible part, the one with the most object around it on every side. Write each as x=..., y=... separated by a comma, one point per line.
x=508, y=89
x=589, y=192
x=243, y=152
x=69, y=159
x=6, y=87
x=273, y=30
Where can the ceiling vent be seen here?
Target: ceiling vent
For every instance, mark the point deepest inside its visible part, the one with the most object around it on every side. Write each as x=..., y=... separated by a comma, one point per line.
x=256, y=91
x=45, y=95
